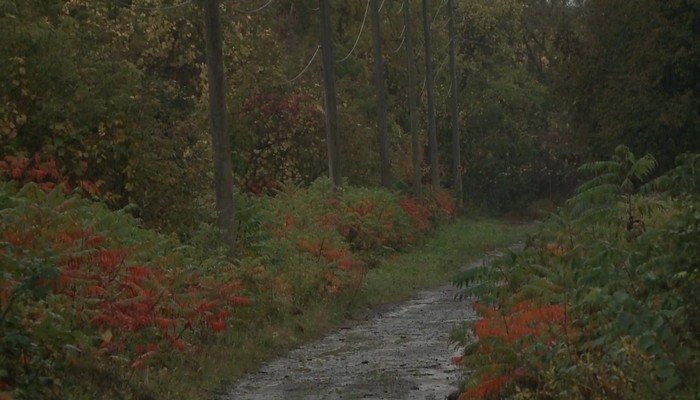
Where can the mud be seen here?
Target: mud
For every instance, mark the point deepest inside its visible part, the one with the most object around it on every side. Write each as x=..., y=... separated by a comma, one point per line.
x=402, y=352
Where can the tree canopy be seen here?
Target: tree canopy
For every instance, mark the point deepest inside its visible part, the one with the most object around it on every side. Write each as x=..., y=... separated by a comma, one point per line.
x=543, y=85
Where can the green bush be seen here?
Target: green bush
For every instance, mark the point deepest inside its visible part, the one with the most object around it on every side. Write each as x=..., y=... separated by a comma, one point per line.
x=602, y=303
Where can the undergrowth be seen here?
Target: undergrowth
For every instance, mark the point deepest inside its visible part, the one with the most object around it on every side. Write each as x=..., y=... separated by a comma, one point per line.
x=602, y=303
x=93, y=306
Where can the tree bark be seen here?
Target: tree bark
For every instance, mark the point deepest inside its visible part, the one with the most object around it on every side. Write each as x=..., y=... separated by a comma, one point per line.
x=456, y=142
x=329, y=94
x=430, y=85
x=221, y=143
x=412, y=101
x=382, y=139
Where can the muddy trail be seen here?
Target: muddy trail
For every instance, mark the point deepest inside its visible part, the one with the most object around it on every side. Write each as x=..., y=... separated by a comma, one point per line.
x=401, y=352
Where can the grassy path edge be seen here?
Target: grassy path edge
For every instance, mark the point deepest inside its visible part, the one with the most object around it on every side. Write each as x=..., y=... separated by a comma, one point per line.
x=432, y=262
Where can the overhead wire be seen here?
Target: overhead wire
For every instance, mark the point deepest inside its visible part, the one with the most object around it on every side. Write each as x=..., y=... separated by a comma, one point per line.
x=290, y=81
x=358, y=35
x=435, y=73
x=403, y=39
x=444, y=3
x=255, y=10
x=159, y=8
x=318, y=47
x=354, y=46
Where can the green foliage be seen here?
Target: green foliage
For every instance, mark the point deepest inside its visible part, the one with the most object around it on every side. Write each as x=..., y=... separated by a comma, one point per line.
x=96, y=83
x=510, y=154
x=614, y=191
x=316, y=242
x=123, y=88
x=82, y=285
x=621, y=269
x=626, y=77
x=283, y=140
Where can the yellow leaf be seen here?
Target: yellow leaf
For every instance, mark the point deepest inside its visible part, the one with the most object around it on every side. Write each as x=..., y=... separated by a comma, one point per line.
x=106, y=336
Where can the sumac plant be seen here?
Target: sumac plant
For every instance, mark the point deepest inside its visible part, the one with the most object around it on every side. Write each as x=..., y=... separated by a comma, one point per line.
x=602, y=304
x=83, y=284
x=323, y=240
x=45, y=172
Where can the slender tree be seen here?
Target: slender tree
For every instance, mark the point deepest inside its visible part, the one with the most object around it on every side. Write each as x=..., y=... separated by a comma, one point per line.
x=329, y=92
x=456, y=143
x=430, y=85
x=223, y=171
x=412, y=100
x=381, y=97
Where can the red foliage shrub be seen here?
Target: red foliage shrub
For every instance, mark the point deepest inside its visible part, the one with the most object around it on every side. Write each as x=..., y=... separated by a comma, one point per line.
x=44, y=172
x=444, y=202
x=114, y=299
x=519, y=327
x=419, y=213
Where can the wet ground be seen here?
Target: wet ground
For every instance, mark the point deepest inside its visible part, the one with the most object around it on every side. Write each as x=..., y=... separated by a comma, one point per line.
x=402, y=352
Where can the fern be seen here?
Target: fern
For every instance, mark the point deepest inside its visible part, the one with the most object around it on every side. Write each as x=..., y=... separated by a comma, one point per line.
x=619, y=266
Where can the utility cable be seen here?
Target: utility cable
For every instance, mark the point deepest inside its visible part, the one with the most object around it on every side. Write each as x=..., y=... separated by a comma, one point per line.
x=358, y=35
x=290, y=81
x=403, y=39
x=128, y=4
x=444, y=3
x=253, y=11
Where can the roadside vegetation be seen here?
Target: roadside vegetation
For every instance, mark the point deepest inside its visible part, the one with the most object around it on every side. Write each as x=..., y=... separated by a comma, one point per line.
x=94, y=306
x=602, y=303
x=183, y=180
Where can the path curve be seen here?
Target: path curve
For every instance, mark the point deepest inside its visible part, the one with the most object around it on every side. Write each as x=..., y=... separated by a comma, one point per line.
x=402, y=353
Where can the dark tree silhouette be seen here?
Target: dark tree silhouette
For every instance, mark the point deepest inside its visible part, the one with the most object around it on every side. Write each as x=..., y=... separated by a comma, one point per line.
x=381, y=97
x=223, y=170
x=412, y=100
x=430, y=86
x=456, y=142
x=329, y=91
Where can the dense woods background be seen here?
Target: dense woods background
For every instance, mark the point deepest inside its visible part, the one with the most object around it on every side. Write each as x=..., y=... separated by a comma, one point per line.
x=112, y=97
x=542, y=86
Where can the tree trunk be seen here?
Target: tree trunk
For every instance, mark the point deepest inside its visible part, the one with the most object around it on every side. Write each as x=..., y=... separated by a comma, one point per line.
x=221, y=143
x=456, y=142
x=430, y=85
x=329, y=92
x=382, y=138
x=412, y=101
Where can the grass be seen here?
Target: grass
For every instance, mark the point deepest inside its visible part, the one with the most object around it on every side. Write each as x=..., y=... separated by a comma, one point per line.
x=264, y=332
x=436, y=260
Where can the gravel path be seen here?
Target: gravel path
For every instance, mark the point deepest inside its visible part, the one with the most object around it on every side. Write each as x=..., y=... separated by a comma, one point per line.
x=403, y=353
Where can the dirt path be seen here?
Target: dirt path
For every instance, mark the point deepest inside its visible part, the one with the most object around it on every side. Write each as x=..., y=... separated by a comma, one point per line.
x=403, y=352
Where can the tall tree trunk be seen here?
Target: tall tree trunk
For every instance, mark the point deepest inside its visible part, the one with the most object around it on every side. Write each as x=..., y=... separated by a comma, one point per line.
x=430, y=85
x=329, y=92
x=221, y=143
x=456, y=143
x=382, y=139
x=412, y=101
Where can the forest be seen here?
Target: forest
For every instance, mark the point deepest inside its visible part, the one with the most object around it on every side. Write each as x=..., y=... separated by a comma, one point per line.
x=177, y=174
